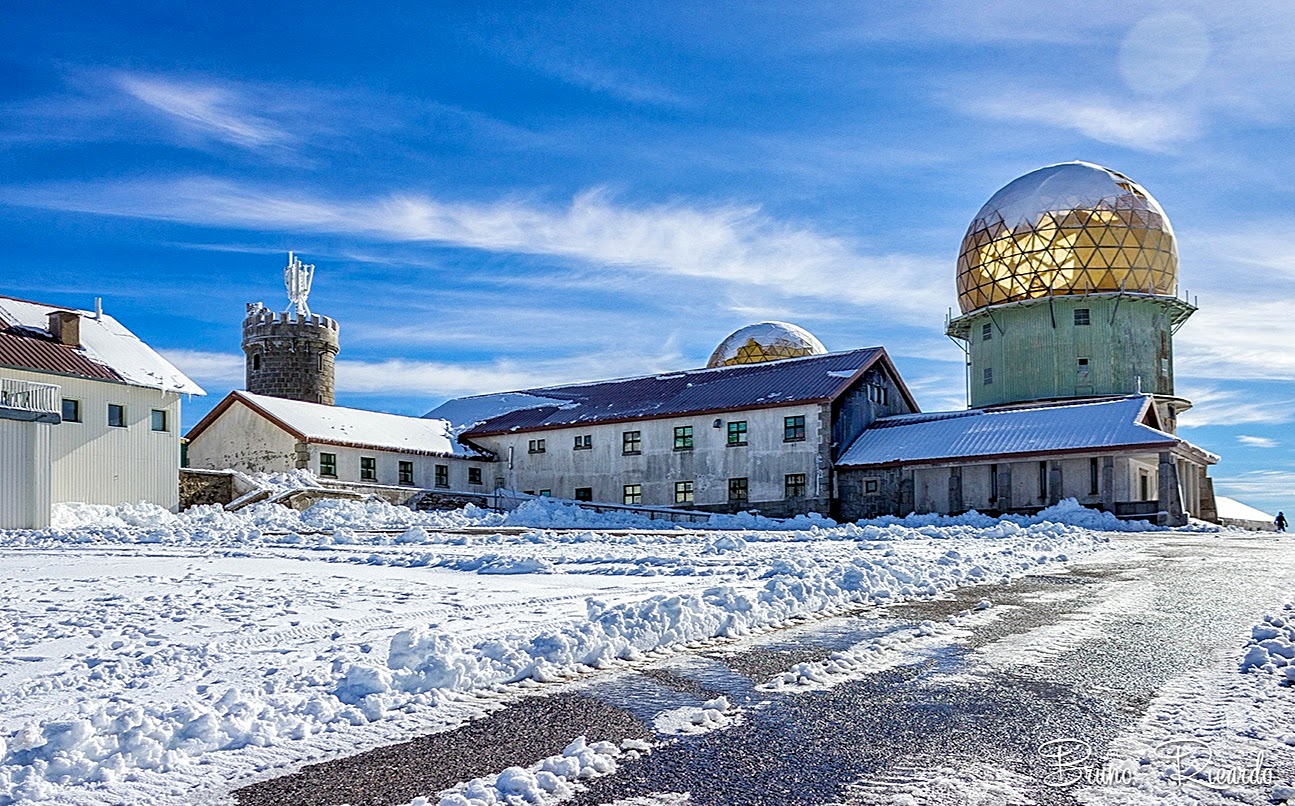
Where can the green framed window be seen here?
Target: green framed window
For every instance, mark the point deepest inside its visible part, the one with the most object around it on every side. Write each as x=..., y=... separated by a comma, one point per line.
x=737, y=432
x=793, y=428
x=683, y=438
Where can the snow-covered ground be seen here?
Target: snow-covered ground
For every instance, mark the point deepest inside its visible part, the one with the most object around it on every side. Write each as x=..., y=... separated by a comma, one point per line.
x=149, y=657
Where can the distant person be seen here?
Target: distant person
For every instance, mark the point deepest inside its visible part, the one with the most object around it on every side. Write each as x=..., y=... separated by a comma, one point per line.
x=1281, y=522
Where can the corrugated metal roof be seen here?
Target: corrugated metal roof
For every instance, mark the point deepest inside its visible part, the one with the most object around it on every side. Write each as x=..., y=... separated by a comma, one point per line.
x=968, y=434
x=23, y=349
x=106, y=347
x=743, y=386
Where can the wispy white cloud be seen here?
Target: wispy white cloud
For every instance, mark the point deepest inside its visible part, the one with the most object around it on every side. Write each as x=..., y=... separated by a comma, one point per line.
x=726, y=244
x=630, y=88
x=1130, y=123
x=219, y=111
x=433, y=380
x=1256, y=442
x=1230, y=406
x=1269, y=489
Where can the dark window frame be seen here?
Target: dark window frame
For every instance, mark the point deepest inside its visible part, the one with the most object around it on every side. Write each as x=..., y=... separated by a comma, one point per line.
x=795, y=485
x=631, y=443
x=368, y=468
x=634, y=492
x=1083, y=317
x=684, y=492
x=737, y=433
x=739, y=489
x=442, y=475
x=474, y=475
x=987, y=332
x=793, y=428
x=584, y=494
x=120, y=420
x=75, y=409
x=988, y=376
x=683, y=437
x=1043, y=480
x=153, y=421
x=871, y=486
x=327, y=460
x=537, y=446
x=1094, y=487
x=583, y=442
x=405, y=472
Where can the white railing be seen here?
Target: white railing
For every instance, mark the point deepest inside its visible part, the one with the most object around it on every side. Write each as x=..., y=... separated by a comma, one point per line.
x=28, y=396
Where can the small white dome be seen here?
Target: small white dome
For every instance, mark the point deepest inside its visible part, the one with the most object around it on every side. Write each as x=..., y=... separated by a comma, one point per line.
x=765, y=341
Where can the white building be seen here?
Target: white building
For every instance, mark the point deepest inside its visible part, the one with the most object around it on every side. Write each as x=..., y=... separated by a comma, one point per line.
x=90, y=413
x=259, y=433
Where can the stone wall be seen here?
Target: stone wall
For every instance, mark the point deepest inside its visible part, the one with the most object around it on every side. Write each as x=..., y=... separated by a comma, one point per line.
x=205, y=487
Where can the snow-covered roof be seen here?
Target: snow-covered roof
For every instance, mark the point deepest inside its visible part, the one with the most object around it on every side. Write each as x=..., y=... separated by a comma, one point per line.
x=105, y=342
x=790, y=381
x=1233, y=510
x=337, y=425
x=942, y=436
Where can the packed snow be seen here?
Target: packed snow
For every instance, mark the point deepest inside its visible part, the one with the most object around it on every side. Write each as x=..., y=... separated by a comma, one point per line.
x=1272, y=646
x=147, y=655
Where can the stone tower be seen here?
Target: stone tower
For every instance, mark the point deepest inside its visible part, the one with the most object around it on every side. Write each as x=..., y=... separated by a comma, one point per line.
x=291, y=354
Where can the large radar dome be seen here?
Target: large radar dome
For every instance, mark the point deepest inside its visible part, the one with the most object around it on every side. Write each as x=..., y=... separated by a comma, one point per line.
x=765, y=341
x=1073, y=228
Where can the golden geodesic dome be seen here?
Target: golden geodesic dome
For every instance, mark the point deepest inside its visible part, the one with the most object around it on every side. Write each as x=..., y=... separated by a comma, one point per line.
x=765, y=341
x=1072, y=228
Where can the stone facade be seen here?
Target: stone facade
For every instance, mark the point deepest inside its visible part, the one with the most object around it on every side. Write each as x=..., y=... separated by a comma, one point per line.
x=290, y=356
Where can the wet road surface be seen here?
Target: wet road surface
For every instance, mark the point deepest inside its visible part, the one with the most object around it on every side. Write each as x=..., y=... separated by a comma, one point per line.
x=1075, y=655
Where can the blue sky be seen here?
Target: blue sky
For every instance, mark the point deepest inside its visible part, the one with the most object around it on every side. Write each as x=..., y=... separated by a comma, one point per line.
x=506, y=195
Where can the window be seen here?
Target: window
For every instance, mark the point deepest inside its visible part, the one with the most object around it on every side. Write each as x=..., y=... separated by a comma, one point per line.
x=368, y=468
x=989, y=376
x=794, y=485
x=546, y=493
x=406, y=472
x=584, y=442
x=878, y=394
x=1164, y=367
x=871, y=486
x=1082, y=318
x=442, y=475
x=71, y=410
x=1043, y=480
x=1146, y=486
x=993, y=482
x=987, y=331
x=683, y=438
x=584, y=493
x=633, y=493
x=793, y=429
x=1092, y=476
x=157, y=420
x=683, y=492
x=737, y=490
x=328, y=465
x=256, y=361
x=116, y=415
x=535, y=446
x=631, y=442
x=737, y=432
x=1082, y=365
x=474, y=475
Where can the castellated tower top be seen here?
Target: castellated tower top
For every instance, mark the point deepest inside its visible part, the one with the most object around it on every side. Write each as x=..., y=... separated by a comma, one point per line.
x=291, y=354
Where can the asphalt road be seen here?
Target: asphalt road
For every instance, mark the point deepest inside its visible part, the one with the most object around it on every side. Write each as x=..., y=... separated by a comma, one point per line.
x=1074, y=657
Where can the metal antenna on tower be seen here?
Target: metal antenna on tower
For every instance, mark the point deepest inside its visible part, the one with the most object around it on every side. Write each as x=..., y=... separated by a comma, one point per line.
x=297, y=277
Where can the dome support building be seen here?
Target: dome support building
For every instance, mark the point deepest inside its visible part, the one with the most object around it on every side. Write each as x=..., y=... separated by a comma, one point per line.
x=1067, y=285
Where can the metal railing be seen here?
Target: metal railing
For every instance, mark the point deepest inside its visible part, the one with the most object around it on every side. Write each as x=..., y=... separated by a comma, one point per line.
x=43, y=398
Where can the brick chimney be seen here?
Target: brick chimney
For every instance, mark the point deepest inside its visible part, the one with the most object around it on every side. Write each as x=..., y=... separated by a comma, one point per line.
x=65, y=327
